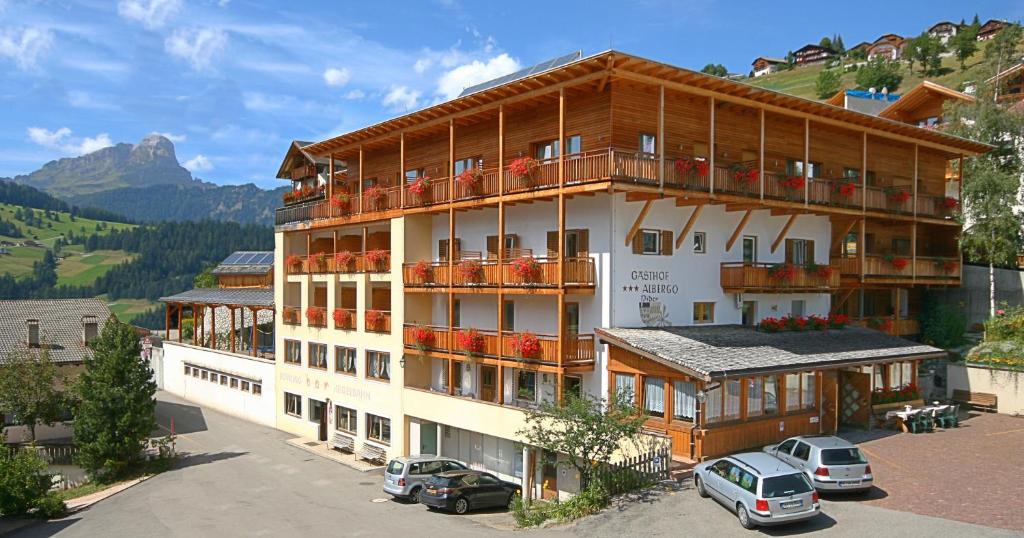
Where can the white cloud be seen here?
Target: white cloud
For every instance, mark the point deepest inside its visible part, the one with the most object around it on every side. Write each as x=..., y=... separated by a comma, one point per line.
x=24, y=46
x=171, y=136
x=261, y=102
x=62, y=140
x=151, y=13
x=422, y=65
x=199, y=163
x=354, y=95
x=81, y=99
x=197, y=46
x=337, y=77
x=401, y=99
x=452, y=83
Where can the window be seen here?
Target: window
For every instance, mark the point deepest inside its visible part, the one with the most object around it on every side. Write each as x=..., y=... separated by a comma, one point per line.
x=654, y=396
x=257, y=389
x=378, y=429
x=700, y=243
x=292, y=404
x=292, y=352
x=234, y=383
x=703, y=312
x=245, y=386
x=205, y=375
x=316, y=410
x=653, y=242
x=797, y=308
x=345, y=419
x=572, y=385
x=755, y=398
x=901, y=374
x=470, y=163
x=787, y=446
x=625, y=387
x=796, y=168
x=808, y=380
x=879, y=377
x=378, y=365
x=732, y=399
x=412, y=175
x=318, y=356
x=713, y=404
x=223, y=379
x=648, y=144
x=545, y=150
x=195, y=372
x=901, y=246
x=684, y=400
x=188, y=370
x=749, y=249
x=488, y=480
x=771, y=395
x=508, y=319
x=457, y=313
x=526, y=386
x=851, y=173
x=573, y=144
x=344, y=360
x=802, y=451
x=850, y=244
x=799, y=251
x=792, y=392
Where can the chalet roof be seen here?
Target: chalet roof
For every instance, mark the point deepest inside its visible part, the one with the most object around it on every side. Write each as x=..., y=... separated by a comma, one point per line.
x=246, y=263
x=718, y=351
x=296, y=152
x=862, y=44
x=60, y=326
x=918, y=95
x=886, y=38
x=940, y=23
x=1007, y=72
x=224, y=296
x=993, y=22
x=613, y=65
x=811, y=46
x=769, y=59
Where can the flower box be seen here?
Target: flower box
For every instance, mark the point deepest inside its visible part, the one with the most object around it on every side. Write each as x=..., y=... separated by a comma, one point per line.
x=470, y=179
x=377, y=260
x=316, y=316
x=523, y=168
x=374, y=320
x=471, y=271
x=423, y=272
x=344, y=261
x=782, y=272
x=526, y=345
x=374, y=196
x=526, y=268
x=420, y=189
x=342, y=318
x=470, y=341
x=423, y=338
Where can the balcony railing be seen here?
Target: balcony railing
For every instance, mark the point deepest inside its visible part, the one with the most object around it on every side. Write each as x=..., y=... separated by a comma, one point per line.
x=377, y=321
x=316, y=316
x=633, y=167
x=486, y=273
x=889, y=324
x=578, y=350
x=904, y=266
x=302, y=172
x=374, y=261
x=778, y=277
x=344, y=319
x=291, y=315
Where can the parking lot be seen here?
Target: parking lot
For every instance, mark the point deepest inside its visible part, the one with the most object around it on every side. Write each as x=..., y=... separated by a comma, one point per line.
x=239, y=479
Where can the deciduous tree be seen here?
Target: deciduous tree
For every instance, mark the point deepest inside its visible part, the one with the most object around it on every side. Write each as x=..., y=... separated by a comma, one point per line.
x=827, y=83
x=879, y=73
x=28, y=389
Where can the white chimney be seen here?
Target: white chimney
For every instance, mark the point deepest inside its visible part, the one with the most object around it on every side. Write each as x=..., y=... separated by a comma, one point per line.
x=90, y=329
x=32, y=329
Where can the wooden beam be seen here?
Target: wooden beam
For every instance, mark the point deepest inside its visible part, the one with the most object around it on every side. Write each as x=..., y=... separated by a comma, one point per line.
x=783, y=232
x=661, y=136
x=837, y=240
x=843, y=298
x=732, y=208
x=687, y=202
x=252, y=343
x=689, y=225
x=760, y=155
x=739, y=229
x=807, y=158
x=711, y=145
x=642, y=196
x=638, y=222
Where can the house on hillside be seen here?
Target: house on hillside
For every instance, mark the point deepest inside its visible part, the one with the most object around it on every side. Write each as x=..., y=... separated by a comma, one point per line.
x=861, y=47
x=1009, y=84
x=923, y=104
x=991, y=28
x=888, y=46
x=812, y=54
x=765, y=65
x=944, y=31
x=61, y=328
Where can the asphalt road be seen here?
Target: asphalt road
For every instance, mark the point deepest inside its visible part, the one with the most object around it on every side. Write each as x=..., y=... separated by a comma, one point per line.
x=240, y=479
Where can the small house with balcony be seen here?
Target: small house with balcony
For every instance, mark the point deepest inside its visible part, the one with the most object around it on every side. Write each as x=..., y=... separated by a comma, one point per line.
x=1009, y=84
x=888, y=46
x=991, y=28
x=766, y=65
x=812, y=54
x=944, y=31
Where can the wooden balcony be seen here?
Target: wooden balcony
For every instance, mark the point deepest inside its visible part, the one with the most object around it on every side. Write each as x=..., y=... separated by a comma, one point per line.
x=578, y=350
x=316, y=316
x=889, y=325
x=378, y=261
x=470, y=273
x=377, y=321
x=774, y=278
x=303, y=172
x=291, y=315
x=344, y=319
x=900, y=269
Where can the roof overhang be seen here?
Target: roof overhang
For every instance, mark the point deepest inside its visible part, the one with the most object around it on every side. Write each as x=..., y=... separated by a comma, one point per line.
x=918, y=95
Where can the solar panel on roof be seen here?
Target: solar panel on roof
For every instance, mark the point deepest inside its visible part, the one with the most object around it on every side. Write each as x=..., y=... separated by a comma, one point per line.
x=522, y=73
x=249, y=258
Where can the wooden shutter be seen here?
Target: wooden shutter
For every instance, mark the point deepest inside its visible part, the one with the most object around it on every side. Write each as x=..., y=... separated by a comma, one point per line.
x=458, y=248
x=492, y=246
x=442, y=249
x=666, y=242
x=810, y=250
x=553, y=244
x=584, y=242
x=789, y=251
x=638, y=243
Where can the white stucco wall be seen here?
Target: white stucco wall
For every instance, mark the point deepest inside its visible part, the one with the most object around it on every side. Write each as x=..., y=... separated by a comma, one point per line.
x=1007, y=385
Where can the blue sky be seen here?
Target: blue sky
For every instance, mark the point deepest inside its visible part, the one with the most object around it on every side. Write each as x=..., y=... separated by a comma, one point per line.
x=231, y=82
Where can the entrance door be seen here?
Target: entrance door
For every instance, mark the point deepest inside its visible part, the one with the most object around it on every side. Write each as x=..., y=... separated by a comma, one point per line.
x=428, y=438
x=549, y=477
x=323, y=423
x=854, y=399
x=488, y=383
x=829, y=401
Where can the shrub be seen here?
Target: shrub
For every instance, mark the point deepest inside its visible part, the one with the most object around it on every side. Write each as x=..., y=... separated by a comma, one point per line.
x=942, y=325
x=1008, y=324
x=24, y=482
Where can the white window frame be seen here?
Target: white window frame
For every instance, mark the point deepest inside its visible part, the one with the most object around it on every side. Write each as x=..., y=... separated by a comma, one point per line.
x=292, y=405
x=700, y=242
x=657, y=242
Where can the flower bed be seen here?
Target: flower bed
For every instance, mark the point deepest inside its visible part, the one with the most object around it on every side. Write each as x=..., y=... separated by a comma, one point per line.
x=995, y=361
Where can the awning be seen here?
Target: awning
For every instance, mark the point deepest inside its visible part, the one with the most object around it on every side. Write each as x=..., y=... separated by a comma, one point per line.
x=255, y=297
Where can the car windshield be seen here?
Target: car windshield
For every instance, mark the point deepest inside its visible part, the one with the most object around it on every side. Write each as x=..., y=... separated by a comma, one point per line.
x=785, y=485
x=395, y=467
x=441, y=481
x=842, y=456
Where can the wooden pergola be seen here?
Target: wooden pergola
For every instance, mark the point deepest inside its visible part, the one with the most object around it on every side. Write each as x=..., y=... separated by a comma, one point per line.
x=201, y=301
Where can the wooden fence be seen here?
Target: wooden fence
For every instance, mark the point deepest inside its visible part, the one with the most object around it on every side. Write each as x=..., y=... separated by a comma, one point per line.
x=51, y=454
x=633, y=473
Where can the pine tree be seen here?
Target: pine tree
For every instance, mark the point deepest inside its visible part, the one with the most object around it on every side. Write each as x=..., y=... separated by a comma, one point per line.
x=117, y=410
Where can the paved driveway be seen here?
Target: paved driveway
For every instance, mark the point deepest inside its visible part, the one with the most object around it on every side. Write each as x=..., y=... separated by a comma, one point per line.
x=244, y=480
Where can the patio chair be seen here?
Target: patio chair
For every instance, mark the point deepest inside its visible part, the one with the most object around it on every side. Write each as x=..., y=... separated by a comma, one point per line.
x=924, y=421
x=912, y=422
x=948, y=418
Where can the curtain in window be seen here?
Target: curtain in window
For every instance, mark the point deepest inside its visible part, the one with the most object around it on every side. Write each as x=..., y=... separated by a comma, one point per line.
x=879, y=377
x=771, y=394
x=385, y=366
x=713, y=405
x=907, y=371
x=684, y=400
x=792, y=391
x=754, y=397
x=654, y=396
x=732, y=399
x=810, y=391
x=894, y=375
x=372, y=359
x=625, y=386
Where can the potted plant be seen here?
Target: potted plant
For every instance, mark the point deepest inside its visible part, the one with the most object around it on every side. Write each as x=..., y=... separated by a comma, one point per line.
x=950, y=205
x=423, y=272
x=948, y=266
x=527, y=269
x=374, y=320
x=293, y=262
x=471, y=271
x=703, y=167
x=526, y=345
x=342, y=318
x=374, y=196
x=793, y=185
x=315, y=316
x=420, y=189
x=470, y=180
x=824, y=271
x=522, y=169
x=288, y=197
x=422, y=337
x=745, y=177
x=376, y=260
x=343, y=261
x=897, y=196
x=897, y=262
x=291, y=315
x=845, y=190
x=782, y=272
x=470, y=341
x=341, y=201
x=684, y=165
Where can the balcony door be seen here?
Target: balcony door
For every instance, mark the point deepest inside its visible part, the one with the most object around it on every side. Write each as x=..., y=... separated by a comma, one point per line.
x=799, y=251
x=488, y=383
x=749, y=249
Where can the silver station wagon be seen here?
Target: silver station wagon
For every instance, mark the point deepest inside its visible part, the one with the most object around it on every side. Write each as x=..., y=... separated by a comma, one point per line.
x=832, y=464
x=404, y=477
x=760, y=489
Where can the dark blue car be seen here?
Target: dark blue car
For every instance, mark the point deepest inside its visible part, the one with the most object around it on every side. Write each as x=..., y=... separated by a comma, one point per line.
x=462, y=491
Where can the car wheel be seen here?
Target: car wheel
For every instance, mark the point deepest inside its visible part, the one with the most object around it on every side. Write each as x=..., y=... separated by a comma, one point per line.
x=701, y=490
x=744, y=517
x=461, y=505
x=414, y=495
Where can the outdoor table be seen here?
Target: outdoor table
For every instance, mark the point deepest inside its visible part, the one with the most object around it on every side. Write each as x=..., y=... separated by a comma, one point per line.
x=902, y=415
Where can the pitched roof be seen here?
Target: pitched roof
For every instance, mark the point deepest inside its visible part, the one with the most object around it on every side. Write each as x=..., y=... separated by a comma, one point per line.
x=769, y=59
x=919, y=94
x=60, y=326
x=224, y=296
x=1006, y=72
x=812, y=46
x=717, y=351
